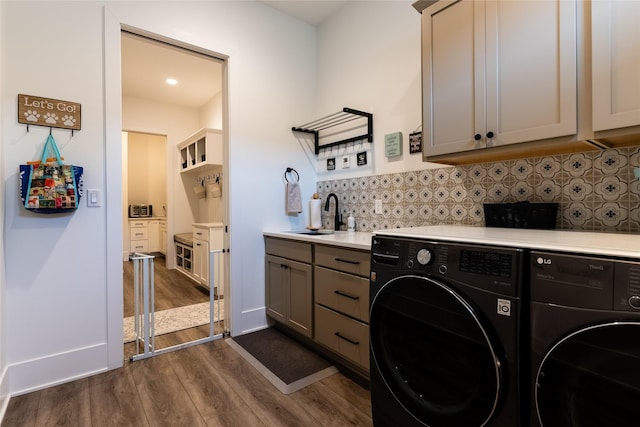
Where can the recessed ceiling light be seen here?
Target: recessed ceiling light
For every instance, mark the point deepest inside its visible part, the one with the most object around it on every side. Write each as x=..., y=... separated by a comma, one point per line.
x=172, y=82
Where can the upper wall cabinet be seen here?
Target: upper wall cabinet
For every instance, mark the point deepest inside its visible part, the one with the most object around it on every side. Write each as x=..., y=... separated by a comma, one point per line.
x=497, y=73
x=616, y=64
x=201, y=150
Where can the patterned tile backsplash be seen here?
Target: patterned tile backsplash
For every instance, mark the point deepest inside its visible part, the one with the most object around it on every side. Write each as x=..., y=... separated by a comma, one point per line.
x=596, y=191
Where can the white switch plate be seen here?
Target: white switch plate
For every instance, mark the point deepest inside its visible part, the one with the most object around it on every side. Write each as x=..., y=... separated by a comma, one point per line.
x=378, y=206
x=94, y=198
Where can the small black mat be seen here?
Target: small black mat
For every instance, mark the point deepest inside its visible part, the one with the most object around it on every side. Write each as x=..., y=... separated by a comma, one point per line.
x=287, y=359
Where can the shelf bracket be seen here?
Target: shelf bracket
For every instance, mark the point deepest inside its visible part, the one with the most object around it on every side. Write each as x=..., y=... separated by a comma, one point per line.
x=337, y=121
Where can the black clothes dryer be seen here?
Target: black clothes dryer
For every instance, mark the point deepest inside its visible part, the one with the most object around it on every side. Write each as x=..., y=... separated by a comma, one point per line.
x=445, y=334
x=585, y=320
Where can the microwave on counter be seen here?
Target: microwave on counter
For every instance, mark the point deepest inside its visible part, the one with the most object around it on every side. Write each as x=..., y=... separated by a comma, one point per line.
x=140, y=211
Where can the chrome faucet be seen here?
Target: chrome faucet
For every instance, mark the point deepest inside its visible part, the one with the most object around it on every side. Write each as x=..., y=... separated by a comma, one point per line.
x=337, y=221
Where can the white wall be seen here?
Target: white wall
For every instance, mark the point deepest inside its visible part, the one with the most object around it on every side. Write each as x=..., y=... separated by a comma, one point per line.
x=369, y=59
x=63, y=273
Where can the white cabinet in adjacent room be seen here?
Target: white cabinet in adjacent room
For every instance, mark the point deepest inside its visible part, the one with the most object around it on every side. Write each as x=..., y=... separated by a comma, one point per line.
x=163, y=236
x=202, y=149
x=615, y=64
x=208, y=237
x=139, y=235
x=497, y=73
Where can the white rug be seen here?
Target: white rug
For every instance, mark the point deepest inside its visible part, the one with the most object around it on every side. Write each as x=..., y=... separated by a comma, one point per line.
x=177, y=319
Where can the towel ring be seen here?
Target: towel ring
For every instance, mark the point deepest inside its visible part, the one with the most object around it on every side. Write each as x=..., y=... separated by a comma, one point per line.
x=290, y=170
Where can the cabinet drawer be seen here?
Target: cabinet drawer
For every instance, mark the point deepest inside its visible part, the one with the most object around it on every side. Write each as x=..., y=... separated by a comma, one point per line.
x=347, y=337
x=201, y=233
x=138, y=223
x=140, y=246
x=347, y=260
x=139, y=233
x=342, y=292
x=290, y=249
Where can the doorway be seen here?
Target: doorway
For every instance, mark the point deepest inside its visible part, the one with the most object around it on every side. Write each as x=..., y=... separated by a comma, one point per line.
x=156, y=113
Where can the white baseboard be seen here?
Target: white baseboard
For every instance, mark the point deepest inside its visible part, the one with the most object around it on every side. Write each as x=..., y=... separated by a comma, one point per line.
x=38, y=374
x=251, y=321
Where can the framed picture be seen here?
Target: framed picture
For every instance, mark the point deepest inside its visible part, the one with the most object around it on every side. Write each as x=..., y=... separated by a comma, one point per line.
x=415, y=142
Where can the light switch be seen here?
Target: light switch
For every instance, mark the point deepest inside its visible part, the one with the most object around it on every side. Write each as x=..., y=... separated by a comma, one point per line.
x=93, y=198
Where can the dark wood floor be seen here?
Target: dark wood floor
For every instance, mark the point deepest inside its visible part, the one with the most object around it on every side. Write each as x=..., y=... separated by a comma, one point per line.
x=173, y=289
x=205, y=385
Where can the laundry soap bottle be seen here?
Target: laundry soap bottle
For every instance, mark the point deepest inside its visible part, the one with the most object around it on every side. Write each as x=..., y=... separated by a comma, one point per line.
x=315, y=216
x=351, y=223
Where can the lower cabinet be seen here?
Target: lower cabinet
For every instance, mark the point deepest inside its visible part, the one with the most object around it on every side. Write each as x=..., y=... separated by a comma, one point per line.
x=346, y=336
x=289, y=285
x=322, y=293
x=341, y=298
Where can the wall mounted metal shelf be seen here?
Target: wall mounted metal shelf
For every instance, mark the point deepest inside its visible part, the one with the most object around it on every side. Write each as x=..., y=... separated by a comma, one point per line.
x=341, y=125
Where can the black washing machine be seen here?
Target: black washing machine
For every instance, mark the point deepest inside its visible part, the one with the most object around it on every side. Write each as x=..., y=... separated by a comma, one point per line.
x=585, y=322
x=446, y=334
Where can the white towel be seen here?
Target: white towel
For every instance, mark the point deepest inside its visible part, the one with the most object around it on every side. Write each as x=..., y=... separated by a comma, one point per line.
x=293, y=198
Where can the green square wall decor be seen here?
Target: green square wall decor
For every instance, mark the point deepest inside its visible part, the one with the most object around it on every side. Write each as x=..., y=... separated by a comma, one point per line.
x=393, y=144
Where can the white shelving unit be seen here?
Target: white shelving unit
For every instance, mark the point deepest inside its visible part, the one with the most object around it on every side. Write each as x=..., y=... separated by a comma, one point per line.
x=201, y=151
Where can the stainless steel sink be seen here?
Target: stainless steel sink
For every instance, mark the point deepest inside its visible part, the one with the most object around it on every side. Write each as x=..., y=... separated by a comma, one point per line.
x=312, y=232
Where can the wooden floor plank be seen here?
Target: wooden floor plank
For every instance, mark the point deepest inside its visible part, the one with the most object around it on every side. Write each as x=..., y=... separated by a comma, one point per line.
x=354, y=393
x=209, y=390
x=329, y=408
x=272, y=407
x=22, y=411
x=164, y=399
x=66, y=404
x=115, y=401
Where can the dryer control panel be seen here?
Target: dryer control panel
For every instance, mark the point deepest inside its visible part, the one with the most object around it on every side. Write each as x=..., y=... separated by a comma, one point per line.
x=585, y=281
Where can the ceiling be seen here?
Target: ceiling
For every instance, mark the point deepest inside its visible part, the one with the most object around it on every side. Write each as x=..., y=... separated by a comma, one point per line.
x=312, y=11
x=146, y=64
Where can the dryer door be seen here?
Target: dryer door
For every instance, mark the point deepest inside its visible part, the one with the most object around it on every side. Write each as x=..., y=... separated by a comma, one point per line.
x=434, y=353
x=591, y=378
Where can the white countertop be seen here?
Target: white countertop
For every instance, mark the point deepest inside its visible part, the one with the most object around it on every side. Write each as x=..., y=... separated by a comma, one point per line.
x=208, y=224
x=593, y=243
x=347, y=239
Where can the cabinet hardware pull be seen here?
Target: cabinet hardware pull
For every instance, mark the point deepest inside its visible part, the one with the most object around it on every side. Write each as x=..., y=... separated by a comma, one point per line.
x=489, y=134
x=344, y=294
x=284, y=266
x=477, y=137
x=339, y=335
x=348, y=261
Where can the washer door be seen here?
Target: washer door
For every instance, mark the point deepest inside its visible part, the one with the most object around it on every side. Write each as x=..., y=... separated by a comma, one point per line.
x=435, y=354
x=591, y=378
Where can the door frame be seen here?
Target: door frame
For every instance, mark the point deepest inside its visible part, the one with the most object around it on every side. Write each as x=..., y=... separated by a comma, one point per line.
x=113, y=179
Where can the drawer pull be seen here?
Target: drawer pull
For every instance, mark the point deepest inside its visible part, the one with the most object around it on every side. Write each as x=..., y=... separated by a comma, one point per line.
x=339, y=335
x=348, y=261
x=344, y=294
x=284, y=266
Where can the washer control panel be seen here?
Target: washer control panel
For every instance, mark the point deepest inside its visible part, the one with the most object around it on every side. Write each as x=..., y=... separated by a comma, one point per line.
x=487, y=267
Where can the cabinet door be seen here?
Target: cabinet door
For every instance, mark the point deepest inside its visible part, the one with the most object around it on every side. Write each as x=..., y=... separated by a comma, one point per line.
x=163, y=237
x=497, y=73
x=201, y=261
x=453, y=76
x=154, y=236
x=531, y=70
x=277, y=277
x=300, y=298
x=616, y=64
